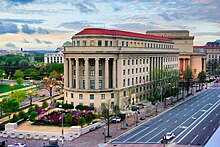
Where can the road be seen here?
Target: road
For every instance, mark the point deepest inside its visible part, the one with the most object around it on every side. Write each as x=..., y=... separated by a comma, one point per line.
x=193, y=122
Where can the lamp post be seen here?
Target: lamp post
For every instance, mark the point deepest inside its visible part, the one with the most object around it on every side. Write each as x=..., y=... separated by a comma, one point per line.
x=62, y=125
x=30, y=93
x=3, y=75
x=161, y=97
x=12, y=86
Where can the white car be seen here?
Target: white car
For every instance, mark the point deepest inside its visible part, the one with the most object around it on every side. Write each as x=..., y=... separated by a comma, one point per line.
x=116, y=119
x=17, y=145
x=169, y=136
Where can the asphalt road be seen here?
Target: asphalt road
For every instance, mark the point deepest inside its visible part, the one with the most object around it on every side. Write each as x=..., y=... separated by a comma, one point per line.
x=193, y=122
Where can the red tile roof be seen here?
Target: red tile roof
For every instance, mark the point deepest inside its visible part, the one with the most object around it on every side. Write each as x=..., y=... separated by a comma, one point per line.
x=98, y=31
x=206, y=47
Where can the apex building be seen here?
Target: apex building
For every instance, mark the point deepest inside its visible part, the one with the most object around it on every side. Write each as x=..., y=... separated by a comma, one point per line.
x=114, y=66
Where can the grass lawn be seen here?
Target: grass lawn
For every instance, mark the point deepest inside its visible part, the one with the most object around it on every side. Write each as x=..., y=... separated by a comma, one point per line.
x=6, y=88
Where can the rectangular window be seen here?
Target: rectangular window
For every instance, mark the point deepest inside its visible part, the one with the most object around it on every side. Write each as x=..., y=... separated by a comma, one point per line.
x=74, y=72
x=132, y=61
x=124, y=93
x=91, y=96
x=100, y=72
x=106, y=43
x=99, y=42
x=132, y=81
x=126, y=44
x=92, y=62
x=130, y=44
x=143, y=69
x=112, y=95
x=136, y=70
x=123, y=82
x=124, y=62
x=132, y=71
x=124, y=72
x=84, y=42
x=128, y=82
x=66, y=94
x=134, y=44
x=100, y=84
x=128, y=71
x=83, y=72
x=143, y=61
x=128, y=61
x=84, y=83
x=110, y=43
x=102, y=96
x=78, y=43
x=92, y=84
x=91, y=105
x=136, y=80
x=92, y=43
x=102, y=106
x=122, y=43
x=80, y=96
x=140, y=70
x=92, y=72
x=136, y=61
x=71, y=95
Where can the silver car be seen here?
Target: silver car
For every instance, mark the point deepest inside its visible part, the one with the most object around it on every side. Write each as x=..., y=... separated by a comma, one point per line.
x=17, y=145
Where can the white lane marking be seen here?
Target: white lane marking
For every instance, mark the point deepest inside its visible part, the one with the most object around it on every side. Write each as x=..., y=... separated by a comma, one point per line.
x=193, y=118
x=135, y=134
x=183, y=127
x=156, y=134
x=175, y=121
x=198, y=105
x=192, y=109
x=178, y=109
x=203, y=101
x=168, y=120
x=214, y=129
x=191, y=105
x=177, y=114
x=203, y=110
x=216, y=114
x=210, y=104
x=170, y=113
x=194, y=139
x=146, y=134
x=204, y=128
x=160, y=120
x=211, y=110
x=206, y=139
x=210, y=120
x=185, y=109
x=184, y=115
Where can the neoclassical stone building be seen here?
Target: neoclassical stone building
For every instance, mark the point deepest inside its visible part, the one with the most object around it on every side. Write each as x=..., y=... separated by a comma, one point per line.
x=114, y=66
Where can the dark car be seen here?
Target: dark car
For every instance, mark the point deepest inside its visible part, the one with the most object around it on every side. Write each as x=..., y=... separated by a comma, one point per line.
x=2, y=143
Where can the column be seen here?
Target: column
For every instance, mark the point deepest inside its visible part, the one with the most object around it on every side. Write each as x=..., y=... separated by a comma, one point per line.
x=106, y=73
x=96, y=73
x=77, y=73
x=70, y=73
x=66, y=73
x=114, y=73
x=184, y=64
x=86, y=73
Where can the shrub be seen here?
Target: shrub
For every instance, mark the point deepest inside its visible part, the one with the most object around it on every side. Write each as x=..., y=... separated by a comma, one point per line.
x=68, y=118
x=45, y=104
x=36, y=107
x=31, y=109
x=19, y=81
x=58, y=104
x=32, y=116
x=79, y=107
x=88, y=118
x=21, y=114
x=81, y=121
x=15, y=118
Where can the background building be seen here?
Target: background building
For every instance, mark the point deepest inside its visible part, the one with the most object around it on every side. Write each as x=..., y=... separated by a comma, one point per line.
x=184, y=42
x=114, y=66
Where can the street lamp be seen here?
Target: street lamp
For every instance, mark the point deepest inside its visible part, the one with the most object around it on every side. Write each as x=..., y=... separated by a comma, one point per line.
x=12, y=87
x=30, y=93
x=3, y=75
x=60, y=106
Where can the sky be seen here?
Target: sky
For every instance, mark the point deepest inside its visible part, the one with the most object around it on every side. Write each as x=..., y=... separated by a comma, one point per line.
x=47, y=24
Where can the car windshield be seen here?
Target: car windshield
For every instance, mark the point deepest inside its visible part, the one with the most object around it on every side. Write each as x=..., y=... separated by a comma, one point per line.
x=168, y=134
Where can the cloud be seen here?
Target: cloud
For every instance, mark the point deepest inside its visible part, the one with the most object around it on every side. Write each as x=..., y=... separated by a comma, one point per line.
x=42, y=41
x=25, y=41
x=10, y=45
x=28, y=30
x=42, y=31
x=165, y=16
x=29, y=21
x=77, y=25
x=217, y=34
x=8, y=28
x=85, y=6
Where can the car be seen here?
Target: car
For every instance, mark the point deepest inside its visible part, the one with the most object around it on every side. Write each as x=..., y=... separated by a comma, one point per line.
x=17, y=145
x=169, y=136
x=116, y=119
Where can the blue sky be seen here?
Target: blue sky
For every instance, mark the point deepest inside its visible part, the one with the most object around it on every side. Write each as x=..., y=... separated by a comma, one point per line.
x=47, y=24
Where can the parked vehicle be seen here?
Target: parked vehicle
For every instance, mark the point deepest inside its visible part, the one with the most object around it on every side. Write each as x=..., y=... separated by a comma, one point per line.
x=169, y=136
x=17, y=145
x=2, y=143
x=116, y=119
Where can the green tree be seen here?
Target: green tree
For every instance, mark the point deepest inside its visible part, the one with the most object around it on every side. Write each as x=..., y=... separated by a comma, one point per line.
x=19, y=95
x=116, y=109
x=45, y=104
x=23, y=64
x=202, y=77
x=31, y=72
x=68, y=118
x=15, y=117
x=30, y=109
x=2, y=74
x=79, y=107
x=21, y=114
x=106, y=115
x=36, y=107
x=81, y=121
x=88, y=118
x=57, y=67
x=54, y=74
x=187, y=77
x=18, y=74
x=20, y=81
x=9, y=106
x=33, y=116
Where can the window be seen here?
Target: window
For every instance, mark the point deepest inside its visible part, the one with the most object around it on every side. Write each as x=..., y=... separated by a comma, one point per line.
x=84, y=42
x=83, y=72
x=100, y=63
x=92, y=43
x=136, y=70
x=124, y=93
x=102, y=106
x=132, y=61
x=92, y=62
x=132, y=81
x=100, y=72
x=92, y=72
x=128, y=82
x=140, y=70
x=123, y=82
x=100, y=84
x=130, y=44
x=91, y=96
x=128, y=62
x=143, y=69
x=66, y=94
x=122, y=43
x=124, y=62
x=132, y=71
x=127, y=44
x=91, y=105
x=134, y=44
x=74, y=43
x=143, y=61
x=136, y=80
x=128, y=71
x=110, y=43
x=112, y=95
x=102, y=96
x=92, y=84
x=74, y=72
x=136, y=61
x=99, y=42
x=106, y=43
x=71, y=95
x=80, y=96
x=78, y=43
x=140, y=61
x=84, y=84
x=124, y=72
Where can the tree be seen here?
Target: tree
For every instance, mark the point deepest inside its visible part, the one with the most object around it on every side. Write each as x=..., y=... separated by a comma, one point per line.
x=18, y=74
x=187, y=77
x=116, y=109
x=31, y=109
x=106, y=115
x=23, y=64
x=33, y=116
x=54, y=74
x=79, y=107
x=2, y=74
x=57, y=67
x=88, y=118
x=21, y=114
x=19, y=95
x=20, y=81
x=45, y=104
x=31, y=72
x=202, y=77
x=15, y=117
x=81, y=121
x=9, y=106
x=68, y=118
